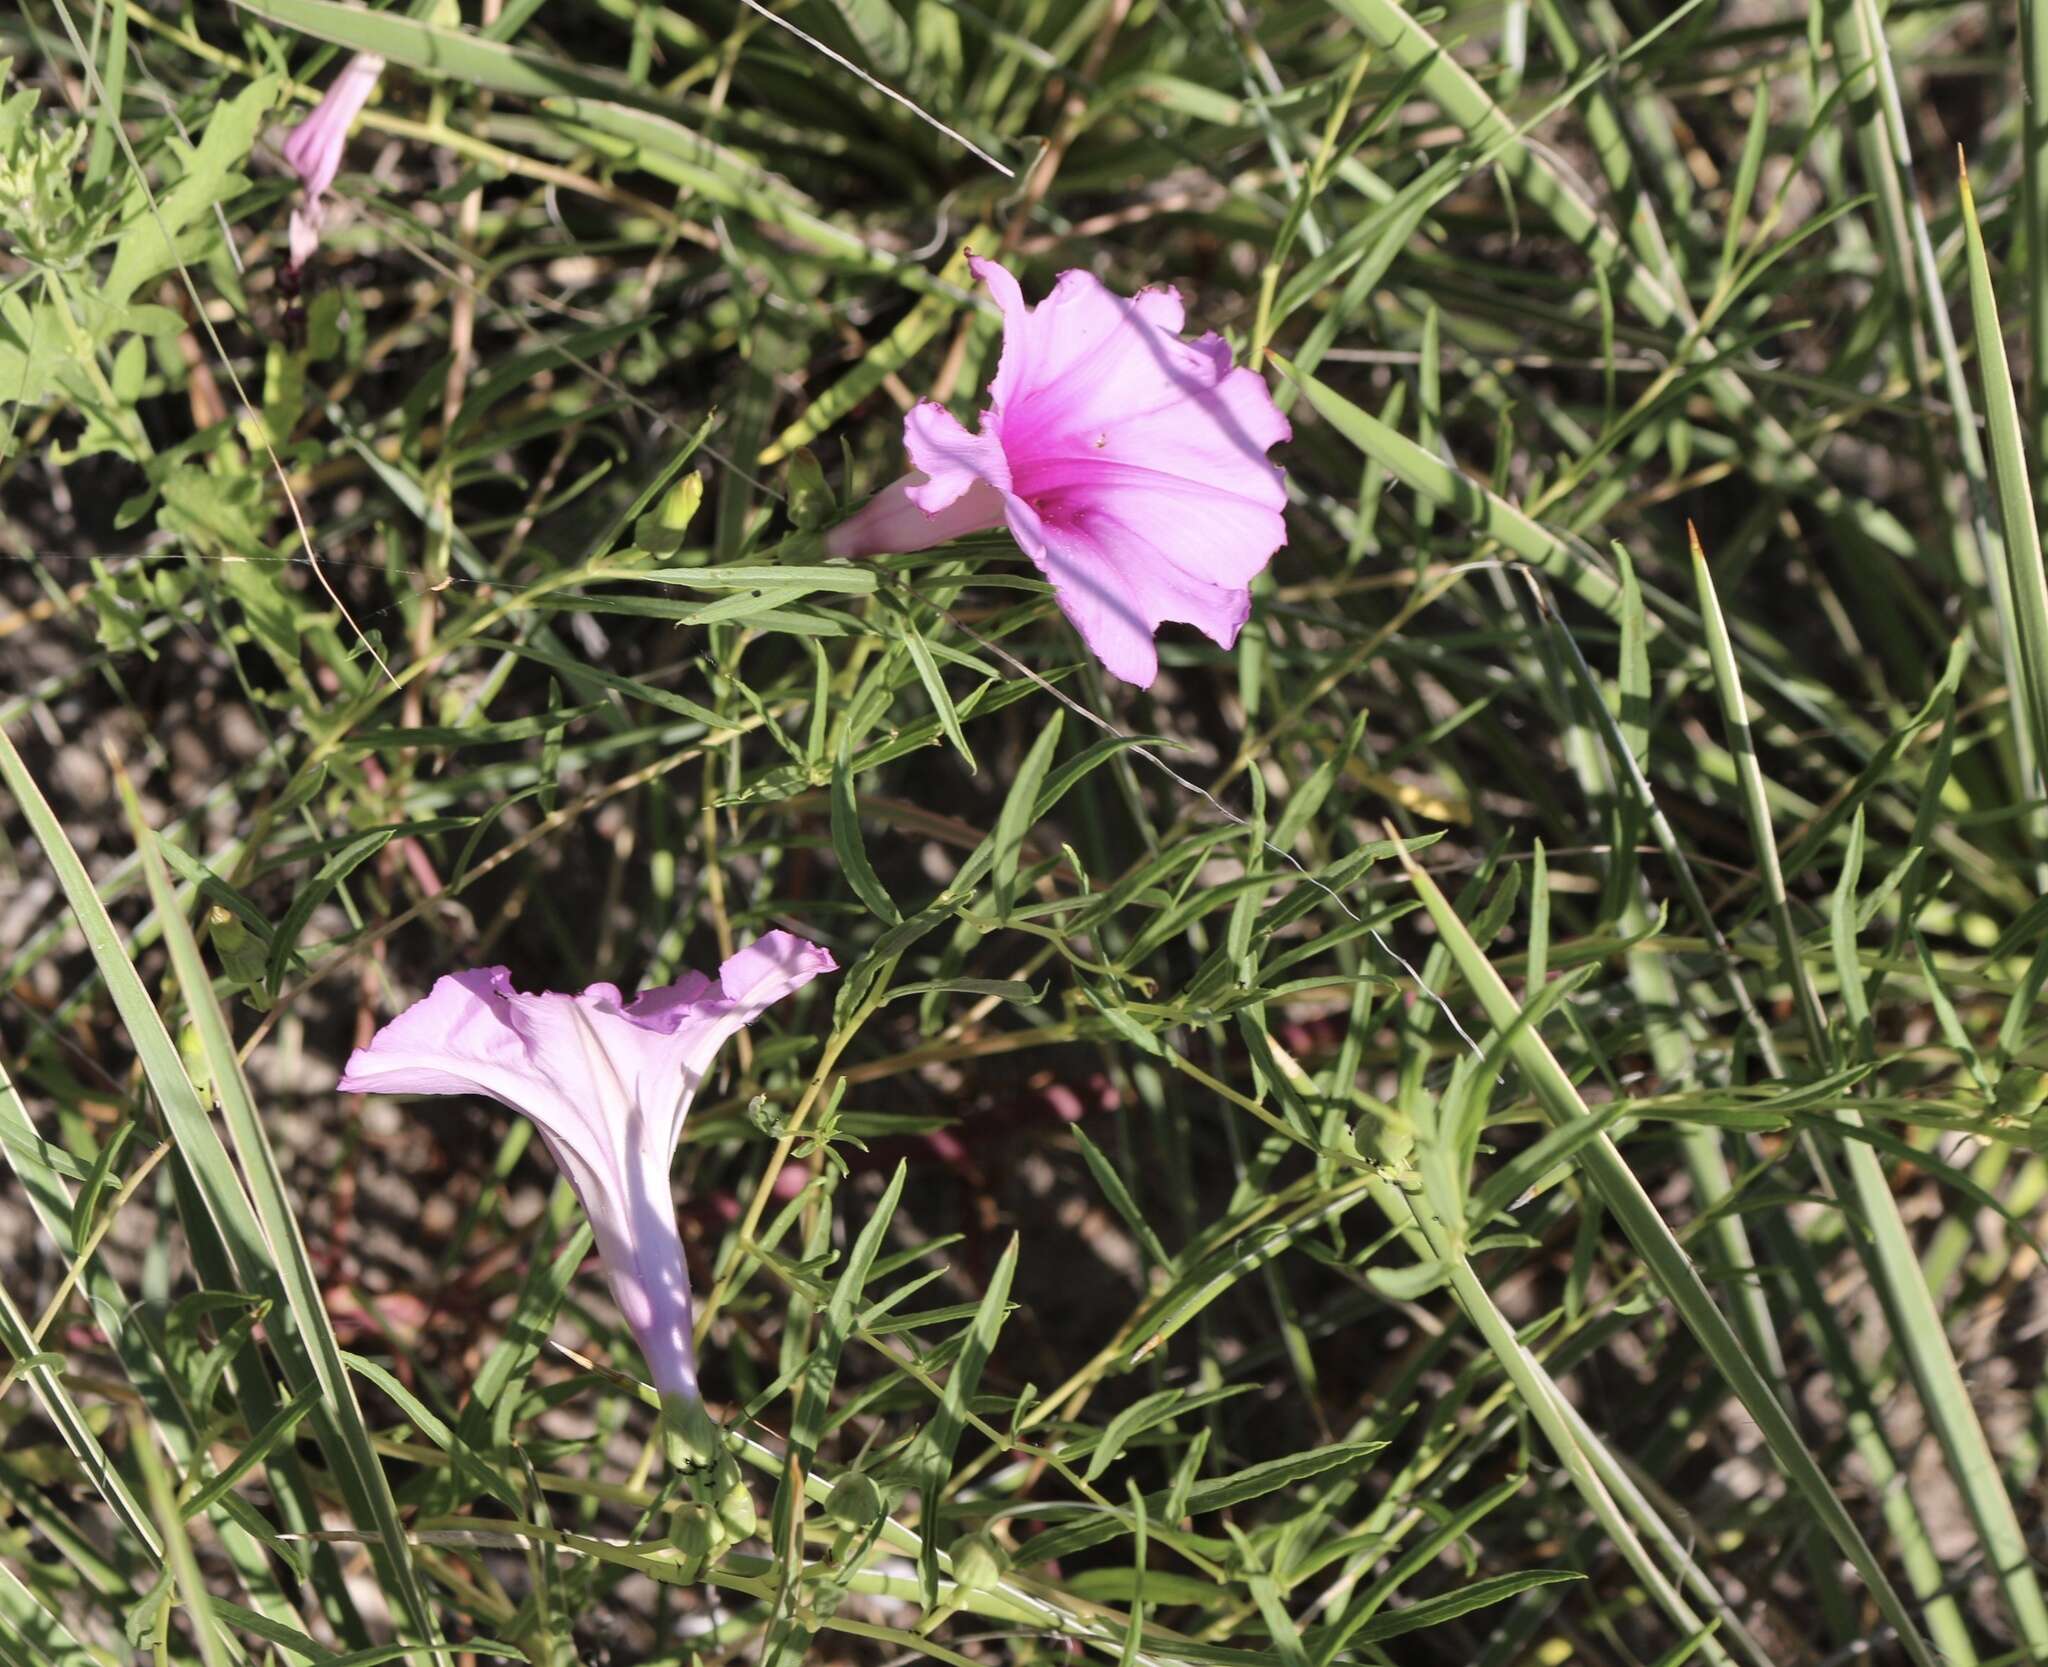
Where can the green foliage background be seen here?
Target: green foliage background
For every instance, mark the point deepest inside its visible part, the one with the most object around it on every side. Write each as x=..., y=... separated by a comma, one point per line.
x=1497, y=1122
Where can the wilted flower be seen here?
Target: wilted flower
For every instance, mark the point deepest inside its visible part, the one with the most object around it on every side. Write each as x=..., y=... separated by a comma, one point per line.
x=314, y=147
x=1129, y=464
x=608, y=1083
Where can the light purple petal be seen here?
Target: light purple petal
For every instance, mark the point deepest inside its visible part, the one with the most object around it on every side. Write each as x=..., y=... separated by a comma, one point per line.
x=460, y=1039
x=1097, y=599
x=1203, y=531
x=1080, y=329
x=891, y=524
x=608, y=1083
x=680, y=1029
x=1213, y=432
x=314, y=147
x=774, y=965
x=952, y=460
x=1118, y=586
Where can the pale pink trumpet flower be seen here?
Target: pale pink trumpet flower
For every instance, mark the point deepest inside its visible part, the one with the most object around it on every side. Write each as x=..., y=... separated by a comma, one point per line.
x=314, y=148
x=1128, y=464
x=608, y=1083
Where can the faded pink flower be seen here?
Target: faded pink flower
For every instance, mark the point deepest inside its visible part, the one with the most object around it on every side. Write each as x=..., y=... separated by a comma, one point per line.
x=608, y=1083
x=1129, y=464
x=314, y=148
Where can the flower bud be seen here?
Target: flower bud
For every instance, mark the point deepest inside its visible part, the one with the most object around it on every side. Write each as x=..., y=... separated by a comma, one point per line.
x=730, y=1498
x=979, y=1564
x=695, y=1534
x=810, y=499
x=662, y=529
x=689, y=1435
x=241, y=953
x=679, y=505
x=856, y=1501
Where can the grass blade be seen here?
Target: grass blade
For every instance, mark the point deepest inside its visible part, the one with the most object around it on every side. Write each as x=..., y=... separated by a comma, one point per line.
x=1669, y=1266
x=2034, y=210
x=1894, y=1264
x=287, y=1265
x=215, y=1649
x=2026, y=577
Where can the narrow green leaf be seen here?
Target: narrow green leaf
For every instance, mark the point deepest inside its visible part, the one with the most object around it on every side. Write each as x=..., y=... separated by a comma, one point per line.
x=1746, y=175
x=1477, y=1594
x=1120, y=1200
x=24, y=1618
x=214, y=1647
x=284, y=941
x=2026, y=576
x=836, y=1325
x=1484, y=511
x=853, y=852
x=73, y=1427
x=1019, y=812
x=1755, y=795
x=253, y=1452
x=284, y=1262
x=935, y=686
x=1199, y=1498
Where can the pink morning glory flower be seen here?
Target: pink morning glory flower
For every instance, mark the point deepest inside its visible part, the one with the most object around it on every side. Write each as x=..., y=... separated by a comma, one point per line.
x=608, y=1083
x=1130, y=465
x=314, y=148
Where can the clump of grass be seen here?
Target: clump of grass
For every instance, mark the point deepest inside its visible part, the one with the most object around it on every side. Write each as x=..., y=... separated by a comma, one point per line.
x=1497, y=1121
